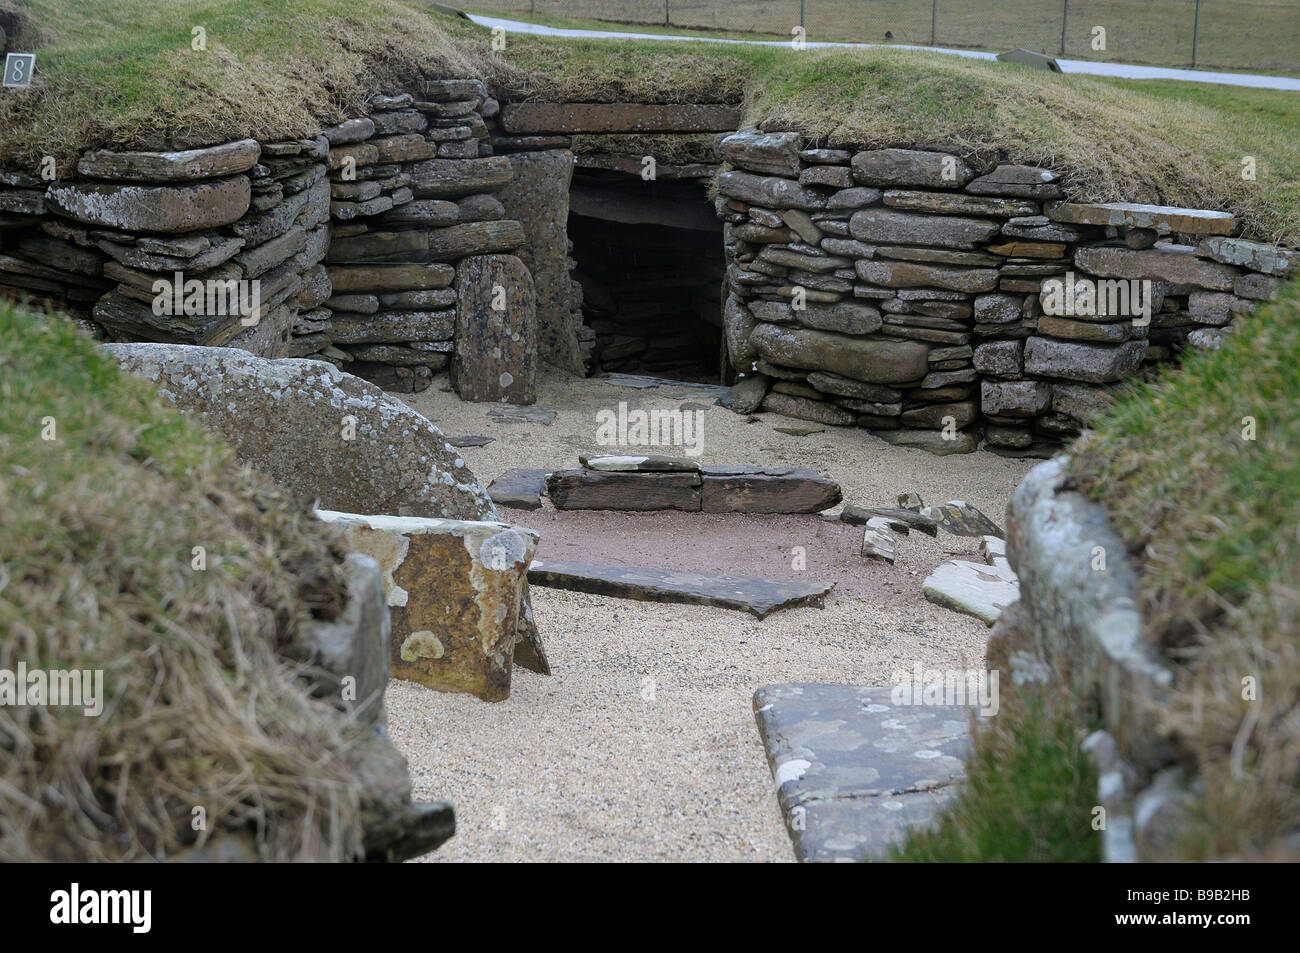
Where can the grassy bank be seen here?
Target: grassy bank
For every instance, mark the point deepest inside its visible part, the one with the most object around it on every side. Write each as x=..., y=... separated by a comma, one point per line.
x=1028, y=794
x=105, y=492
x=285, y=69
x=1200, y=472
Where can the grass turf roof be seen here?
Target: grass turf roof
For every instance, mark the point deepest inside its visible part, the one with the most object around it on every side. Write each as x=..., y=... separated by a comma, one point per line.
x=121, y=74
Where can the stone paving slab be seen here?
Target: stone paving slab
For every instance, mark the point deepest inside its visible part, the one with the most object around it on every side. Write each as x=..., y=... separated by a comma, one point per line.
x=520, y=488
x=853, y=770
x=752, y=594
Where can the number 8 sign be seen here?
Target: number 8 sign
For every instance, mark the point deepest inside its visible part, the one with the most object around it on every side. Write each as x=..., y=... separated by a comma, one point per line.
x=19, y=68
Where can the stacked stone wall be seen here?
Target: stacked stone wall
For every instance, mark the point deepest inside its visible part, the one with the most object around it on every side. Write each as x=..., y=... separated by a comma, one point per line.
x=924, y=299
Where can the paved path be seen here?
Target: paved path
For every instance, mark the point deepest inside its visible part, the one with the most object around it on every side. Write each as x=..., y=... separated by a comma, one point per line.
x=1121, y=70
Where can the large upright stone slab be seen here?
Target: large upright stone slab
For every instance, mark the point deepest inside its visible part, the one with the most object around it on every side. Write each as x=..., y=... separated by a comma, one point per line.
x=454, y=590
x=539, y=198
x=496, y=329
x=854, y=768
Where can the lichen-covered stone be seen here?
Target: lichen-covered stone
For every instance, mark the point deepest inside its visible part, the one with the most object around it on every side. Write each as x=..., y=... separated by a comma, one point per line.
x=454, y=590
x=319, y=432
x=496, y=328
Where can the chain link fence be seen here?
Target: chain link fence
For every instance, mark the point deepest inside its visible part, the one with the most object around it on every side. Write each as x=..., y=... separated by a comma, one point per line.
x=1225, y=34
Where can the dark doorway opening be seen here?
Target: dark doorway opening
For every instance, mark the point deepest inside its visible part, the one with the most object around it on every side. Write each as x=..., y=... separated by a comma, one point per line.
x=649, y=258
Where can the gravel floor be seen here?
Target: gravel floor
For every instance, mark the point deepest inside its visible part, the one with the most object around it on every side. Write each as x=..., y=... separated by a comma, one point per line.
x=642, y=745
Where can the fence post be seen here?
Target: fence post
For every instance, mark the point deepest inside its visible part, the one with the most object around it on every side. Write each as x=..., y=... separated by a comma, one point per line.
x=1196, y=31
x=934, y=16
x=801, y=23
x=1065, y=18
x=667, y=14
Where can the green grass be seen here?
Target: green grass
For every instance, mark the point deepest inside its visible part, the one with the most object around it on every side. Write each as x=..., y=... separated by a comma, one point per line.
x=1234, y=34
x=100, y=525
x=1028, y=794
x=121, y=74
x=1213, y=518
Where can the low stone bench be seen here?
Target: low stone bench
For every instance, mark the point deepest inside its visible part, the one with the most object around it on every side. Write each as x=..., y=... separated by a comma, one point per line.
x=640, y=482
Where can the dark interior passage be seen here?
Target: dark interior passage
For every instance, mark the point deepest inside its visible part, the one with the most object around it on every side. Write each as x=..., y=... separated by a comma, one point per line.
x=651, y=265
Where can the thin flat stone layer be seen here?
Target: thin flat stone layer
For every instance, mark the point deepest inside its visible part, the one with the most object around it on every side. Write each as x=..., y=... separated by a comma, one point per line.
x=1188, y=221
x=226, y=159
x=752, y=594
x=854, y=771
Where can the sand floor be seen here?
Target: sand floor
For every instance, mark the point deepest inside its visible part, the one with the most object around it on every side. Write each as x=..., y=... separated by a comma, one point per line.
x=642, y=745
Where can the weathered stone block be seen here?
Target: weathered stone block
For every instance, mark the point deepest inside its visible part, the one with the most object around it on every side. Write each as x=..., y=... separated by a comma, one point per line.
x=1176, y=264
x=805, y=408
x=905, y=228
x=439, y=178
x=904, y=274
x=212, y=162
x=793, y=491
x=956, y=203
x=1091, y=363
x=398, y=278
x=496, y=329
x=153, y=208
x=1270, y=259
x=604, y=490
x=910, y=167
x=768, y=191
x=871, y=360
x=775, y=153
x=1015, y=398
x=454, y=590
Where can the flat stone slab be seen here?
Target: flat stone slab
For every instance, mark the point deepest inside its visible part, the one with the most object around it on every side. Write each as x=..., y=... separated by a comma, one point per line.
x=613, y=490
x=471, y=440
x=853, y=770
x=643, y=382
x=568, y=118
x=752, y=594
x=899, y=520
x=961, y=519
x=519, y=488
x=1189, y=221
x=973, y=588
x=527, y=415
x=747, y=491
x=641, y=463
x=188, y=165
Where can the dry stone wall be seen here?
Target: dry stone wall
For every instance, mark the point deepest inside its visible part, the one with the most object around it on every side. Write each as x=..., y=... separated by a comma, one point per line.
x=924, y=299
x=363, y=246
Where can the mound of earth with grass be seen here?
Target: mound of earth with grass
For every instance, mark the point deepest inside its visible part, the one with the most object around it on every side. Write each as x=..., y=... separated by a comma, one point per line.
x=137, y=547
x=1196, y=476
